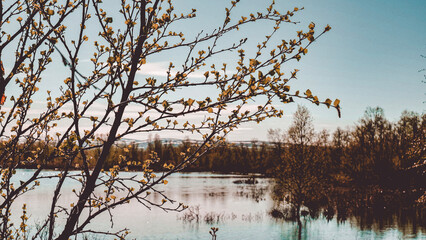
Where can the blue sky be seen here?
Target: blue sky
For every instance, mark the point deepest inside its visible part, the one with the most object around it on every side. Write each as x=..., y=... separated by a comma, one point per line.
x=371, y=57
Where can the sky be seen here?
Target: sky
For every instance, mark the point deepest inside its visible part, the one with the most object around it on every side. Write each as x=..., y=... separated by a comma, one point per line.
x=371, y=57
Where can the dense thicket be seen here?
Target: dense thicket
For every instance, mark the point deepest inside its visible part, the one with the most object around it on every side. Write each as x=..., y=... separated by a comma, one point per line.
x=374, y=151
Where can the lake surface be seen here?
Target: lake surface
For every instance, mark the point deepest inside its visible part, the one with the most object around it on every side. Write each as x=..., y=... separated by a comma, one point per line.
x=240, y=211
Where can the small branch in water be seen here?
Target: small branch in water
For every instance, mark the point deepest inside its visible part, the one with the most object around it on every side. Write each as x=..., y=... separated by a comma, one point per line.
x=213, y=232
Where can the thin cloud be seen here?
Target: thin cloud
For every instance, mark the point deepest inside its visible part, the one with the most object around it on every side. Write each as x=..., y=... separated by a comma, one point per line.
x=159, y=69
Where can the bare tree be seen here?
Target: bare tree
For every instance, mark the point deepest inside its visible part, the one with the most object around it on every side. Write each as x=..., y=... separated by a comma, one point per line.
x=302, y=173
x=67, y=130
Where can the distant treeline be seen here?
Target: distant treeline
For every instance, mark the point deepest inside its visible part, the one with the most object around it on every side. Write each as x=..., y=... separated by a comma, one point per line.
x=374, y=150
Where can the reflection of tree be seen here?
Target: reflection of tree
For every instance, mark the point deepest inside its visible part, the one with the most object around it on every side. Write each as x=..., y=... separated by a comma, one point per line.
x=373, y=209
x=252, y=191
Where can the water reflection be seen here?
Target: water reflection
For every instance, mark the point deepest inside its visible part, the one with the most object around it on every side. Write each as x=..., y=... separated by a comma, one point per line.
x=244, y=211
x=372, y=211
x=255, y=192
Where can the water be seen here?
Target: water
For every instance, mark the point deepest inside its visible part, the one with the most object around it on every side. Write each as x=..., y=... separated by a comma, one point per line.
x=240, y=211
